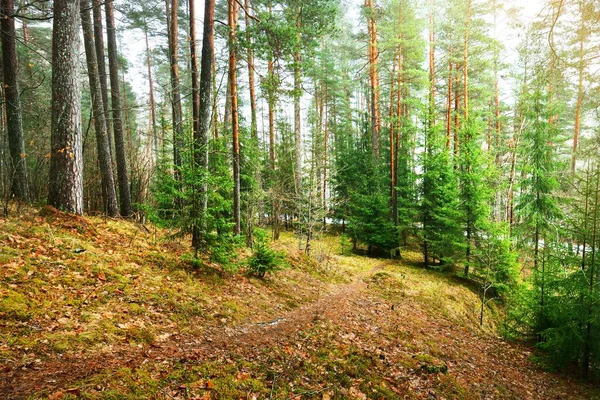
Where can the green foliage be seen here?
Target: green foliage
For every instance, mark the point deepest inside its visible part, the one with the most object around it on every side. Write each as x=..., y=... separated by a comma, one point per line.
x=440, y=210
x=474, y=194
x=224, y=250
x=345, y=245
x=364, y=181
x=407, y=189
x=496, y=264
x=264, y=259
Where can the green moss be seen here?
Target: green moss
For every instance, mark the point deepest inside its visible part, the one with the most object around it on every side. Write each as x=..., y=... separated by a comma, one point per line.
x=448, y=387
x=140, y=335
x=136, y=309
x=16, y=306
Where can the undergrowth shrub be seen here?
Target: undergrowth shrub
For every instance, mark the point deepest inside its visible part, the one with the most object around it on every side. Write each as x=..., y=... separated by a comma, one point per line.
x=264, y=259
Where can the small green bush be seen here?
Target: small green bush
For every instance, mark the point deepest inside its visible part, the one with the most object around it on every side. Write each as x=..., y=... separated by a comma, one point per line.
x=224, y=250
x=264, y=259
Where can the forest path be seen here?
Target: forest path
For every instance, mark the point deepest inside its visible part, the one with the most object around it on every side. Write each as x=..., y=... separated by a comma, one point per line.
x=59, y=374
x=392, y=331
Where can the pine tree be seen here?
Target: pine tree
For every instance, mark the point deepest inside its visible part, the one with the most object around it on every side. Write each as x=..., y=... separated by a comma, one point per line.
x=440, y=211
x=115, y=92
x=473, y=194
x=536, y=205
x=65, y=191
x=109, y=194
x=14, y=119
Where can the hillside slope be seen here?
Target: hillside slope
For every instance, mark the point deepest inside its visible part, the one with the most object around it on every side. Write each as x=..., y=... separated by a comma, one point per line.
x=98, y=308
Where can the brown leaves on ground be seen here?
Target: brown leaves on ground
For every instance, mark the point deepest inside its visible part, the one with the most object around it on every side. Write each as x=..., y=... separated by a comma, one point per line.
x=127, y=318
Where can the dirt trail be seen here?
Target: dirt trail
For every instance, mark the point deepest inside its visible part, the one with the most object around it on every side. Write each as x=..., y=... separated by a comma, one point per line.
x=489, y=367
x=60, y=373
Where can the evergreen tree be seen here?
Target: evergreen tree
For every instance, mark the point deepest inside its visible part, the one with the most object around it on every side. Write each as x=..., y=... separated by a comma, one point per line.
x=441, y=231
x=536, y=205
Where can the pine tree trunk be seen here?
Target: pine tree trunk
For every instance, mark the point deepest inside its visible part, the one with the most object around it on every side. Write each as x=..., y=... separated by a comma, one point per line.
x=109, y=195
x=251, y=84
x=399, y=118
x=496, y=95
x=176, y=92
x=197, y=142
x=297, y=120
x=431, y=65
x=204, y=117
x=392, y=161
x=580, y=72
x=465, y=64
x=215, y=94
x=449, y=102
x=253, y=108
x=325, y=153
x=154, y=138
x=271, y=104
x=25, y=28
x=456, y=120
x=14, y=121
x=588, y=330
x=65, y=190
x=374, y=79
x=195, y=83
x=100, y=57
x=232, y=18
x=115, y=93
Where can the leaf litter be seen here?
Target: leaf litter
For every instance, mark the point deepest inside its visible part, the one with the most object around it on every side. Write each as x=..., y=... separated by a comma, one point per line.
x=128, y=318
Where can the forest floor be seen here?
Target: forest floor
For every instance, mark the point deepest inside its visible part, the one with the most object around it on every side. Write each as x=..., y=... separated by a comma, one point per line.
x=106, y=309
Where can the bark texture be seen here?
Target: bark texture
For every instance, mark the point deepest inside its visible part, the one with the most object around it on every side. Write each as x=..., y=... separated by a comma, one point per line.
x=66, y=163
x=175, y=89
x=204, y=117
x=101, y=59
x=232, y=14
x=109, y=195
x=115, y=94
x=14, y=122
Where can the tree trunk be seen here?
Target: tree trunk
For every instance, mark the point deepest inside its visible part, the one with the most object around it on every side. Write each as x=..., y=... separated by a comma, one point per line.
x=271, y=103
x=195, y=83
x=325, y=152
x=115, y=93
x=588, y=330
x=175, y=92
x=396, y=148
x=197, y=142
x=204, y=117
x=392, y=136
x=109, y=195
x=496, y=93
x=251, y=84
x=465, y=64
x=449, y=102
x=232, y=19
x=215, y=94
x=456, y=120
x=432, y=66
x=100, y=58
x=154, y=139
x=65, y=190
x=297, y=98
x=374, y=79
x=14, y=121
x=253, y=109
x=580, y=72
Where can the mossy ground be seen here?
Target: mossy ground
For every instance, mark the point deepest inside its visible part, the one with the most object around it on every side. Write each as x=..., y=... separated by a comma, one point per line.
x=106, y=309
